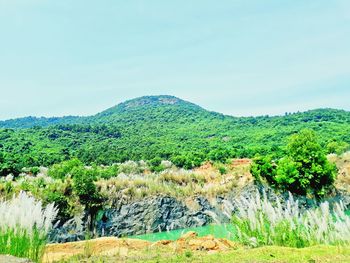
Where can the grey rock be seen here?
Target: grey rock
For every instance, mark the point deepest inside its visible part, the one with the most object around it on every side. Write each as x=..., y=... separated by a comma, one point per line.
x=151, y=215
x=163, y=213
x=65, y=233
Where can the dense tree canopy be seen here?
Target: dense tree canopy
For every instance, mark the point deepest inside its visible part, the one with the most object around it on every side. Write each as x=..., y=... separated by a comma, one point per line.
x=162, y=127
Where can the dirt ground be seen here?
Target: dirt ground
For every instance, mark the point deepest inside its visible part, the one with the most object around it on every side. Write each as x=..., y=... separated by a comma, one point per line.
x=125, y=248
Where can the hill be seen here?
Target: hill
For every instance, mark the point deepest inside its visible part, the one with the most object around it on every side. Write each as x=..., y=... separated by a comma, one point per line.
x=133, y=109
x=160, y=126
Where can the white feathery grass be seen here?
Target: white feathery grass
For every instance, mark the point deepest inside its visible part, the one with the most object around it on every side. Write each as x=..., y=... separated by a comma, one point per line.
x=24, y=212
x=24, y=226
x=261, y=222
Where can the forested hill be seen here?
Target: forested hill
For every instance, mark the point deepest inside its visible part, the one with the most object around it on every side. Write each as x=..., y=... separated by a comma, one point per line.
x=159, y=107
x=138, y=108
x=165, y=127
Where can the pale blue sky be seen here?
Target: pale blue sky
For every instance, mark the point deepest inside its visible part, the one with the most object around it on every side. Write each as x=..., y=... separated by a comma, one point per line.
x=79, y=57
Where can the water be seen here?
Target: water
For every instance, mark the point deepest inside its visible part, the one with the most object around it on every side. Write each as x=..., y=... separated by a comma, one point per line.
x=218, y=231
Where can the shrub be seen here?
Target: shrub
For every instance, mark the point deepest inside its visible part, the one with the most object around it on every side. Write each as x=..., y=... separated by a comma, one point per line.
x=59, y=171
x=260, y=222
x=264, y=167
x=24, y=226
x=108, y=172
x=155, y=164
x=183, y=161
x=61, y=201
x=220, y=155
x=222, y=169
x=337, y=147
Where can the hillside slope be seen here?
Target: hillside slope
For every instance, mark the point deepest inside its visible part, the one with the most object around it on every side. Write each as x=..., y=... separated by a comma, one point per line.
x=160, y=126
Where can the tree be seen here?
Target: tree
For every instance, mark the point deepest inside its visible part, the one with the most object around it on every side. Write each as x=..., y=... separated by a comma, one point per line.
x=61, y=170
x=183, y=161
x=85, y=188
x=305, y=169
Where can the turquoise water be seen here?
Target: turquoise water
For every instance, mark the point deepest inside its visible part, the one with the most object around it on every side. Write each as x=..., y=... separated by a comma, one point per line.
x=218, y=231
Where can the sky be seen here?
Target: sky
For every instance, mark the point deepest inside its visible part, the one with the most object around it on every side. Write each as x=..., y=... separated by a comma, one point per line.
x=236, y=57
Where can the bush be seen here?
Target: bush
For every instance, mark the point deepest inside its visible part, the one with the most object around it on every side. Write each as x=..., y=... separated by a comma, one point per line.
x=34, y=170
x=61, y=170
x=258, y=222
x=61, y=201
x=337, y=147
x=155, y=164
x=108, y=172
x=220, y=155
x=264, y=167
x=222, y=170
x=183, y=161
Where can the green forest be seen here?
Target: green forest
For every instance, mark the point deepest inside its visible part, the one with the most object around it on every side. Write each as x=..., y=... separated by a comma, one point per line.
x=162, y=127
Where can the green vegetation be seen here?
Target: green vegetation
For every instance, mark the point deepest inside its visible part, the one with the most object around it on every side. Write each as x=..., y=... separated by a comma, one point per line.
x=260, y=222
x=304, y=169
x=265, y=254
x=161, y=127
x=75, y=188
x=89, y=168
x=24, y=226
x=261, y=255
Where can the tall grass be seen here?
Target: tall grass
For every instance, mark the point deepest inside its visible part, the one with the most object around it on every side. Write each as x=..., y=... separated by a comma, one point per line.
x=261, y=222
x=24, y=225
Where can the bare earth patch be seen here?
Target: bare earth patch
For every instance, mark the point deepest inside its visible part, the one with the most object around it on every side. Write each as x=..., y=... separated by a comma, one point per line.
x=128, y=248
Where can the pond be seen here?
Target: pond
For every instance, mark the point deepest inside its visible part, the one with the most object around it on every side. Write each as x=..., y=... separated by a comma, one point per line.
x=218, y=231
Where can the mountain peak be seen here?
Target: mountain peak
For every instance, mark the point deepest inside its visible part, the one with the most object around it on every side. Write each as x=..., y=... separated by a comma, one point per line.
x=151, y=101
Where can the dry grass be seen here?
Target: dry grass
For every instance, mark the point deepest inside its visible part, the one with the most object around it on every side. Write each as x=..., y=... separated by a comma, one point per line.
x=206, y=180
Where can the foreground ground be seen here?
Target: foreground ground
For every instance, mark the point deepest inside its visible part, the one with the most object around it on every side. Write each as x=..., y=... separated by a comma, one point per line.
x=187, y=249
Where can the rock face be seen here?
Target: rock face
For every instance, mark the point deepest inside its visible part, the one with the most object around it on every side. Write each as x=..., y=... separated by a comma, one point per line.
x=157, y=214
x=163, y=213
x=152, y=215
x=66, y=233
